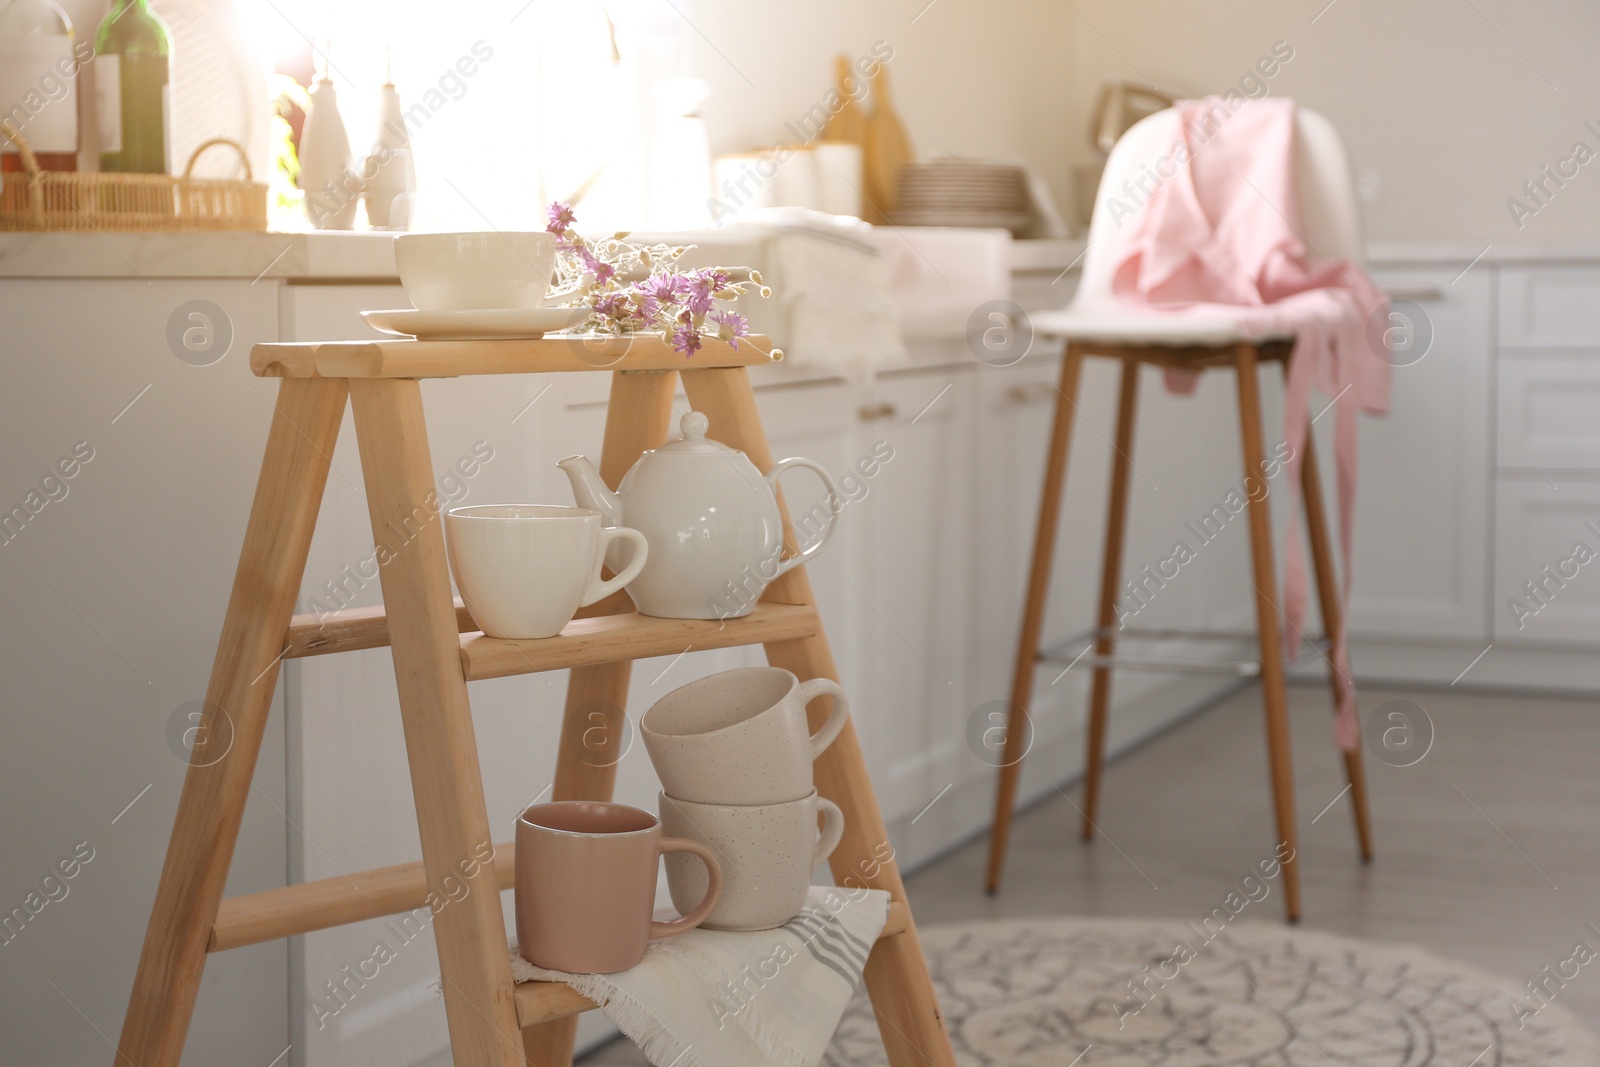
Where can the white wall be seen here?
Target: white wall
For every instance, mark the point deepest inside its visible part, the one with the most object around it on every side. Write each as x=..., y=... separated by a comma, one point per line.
x=1449, y=106
x=986, y=79
x=1447, y=114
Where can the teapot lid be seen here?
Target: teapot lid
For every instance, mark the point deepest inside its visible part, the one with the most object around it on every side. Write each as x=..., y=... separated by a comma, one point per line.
x=694, y=441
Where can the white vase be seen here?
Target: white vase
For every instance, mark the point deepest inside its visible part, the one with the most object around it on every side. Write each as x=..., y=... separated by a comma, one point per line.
x=327, y=169
x=390, y=171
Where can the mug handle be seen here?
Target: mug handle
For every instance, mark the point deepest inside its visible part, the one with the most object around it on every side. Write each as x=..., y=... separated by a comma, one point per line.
x=714, y=890
x=832, y=829
x=833, y=508
x=808, y=691
x=599, y=589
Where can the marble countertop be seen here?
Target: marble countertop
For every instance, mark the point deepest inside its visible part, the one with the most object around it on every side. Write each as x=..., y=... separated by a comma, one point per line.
x=350, y=257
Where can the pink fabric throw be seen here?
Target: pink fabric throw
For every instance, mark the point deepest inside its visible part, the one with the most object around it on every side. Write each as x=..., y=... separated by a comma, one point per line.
x=1223, y=236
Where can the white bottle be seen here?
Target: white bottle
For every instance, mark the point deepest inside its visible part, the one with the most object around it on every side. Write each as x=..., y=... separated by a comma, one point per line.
x=327, y=169
x=389, y=171
x=39, y=82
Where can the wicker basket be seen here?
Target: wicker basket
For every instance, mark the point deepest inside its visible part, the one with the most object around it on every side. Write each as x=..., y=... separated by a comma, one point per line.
x=69, y=200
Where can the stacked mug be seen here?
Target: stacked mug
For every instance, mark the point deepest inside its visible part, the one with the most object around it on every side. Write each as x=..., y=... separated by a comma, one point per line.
x=734, y=753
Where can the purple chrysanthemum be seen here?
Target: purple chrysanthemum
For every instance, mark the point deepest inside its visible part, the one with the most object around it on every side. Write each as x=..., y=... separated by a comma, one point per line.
x=731, y=326
x=560, y=217
x=686, y=340
x=698, y=292
x=599, y=268
x=664, y=288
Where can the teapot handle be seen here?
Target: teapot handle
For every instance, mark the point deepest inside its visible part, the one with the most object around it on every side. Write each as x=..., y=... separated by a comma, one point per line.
x=834, y=499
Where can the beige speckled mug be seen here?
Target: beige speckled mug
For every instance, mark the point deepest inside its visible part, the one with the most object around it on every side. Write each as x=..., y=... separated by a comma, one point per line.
x=586, y=885
x=767, y=850
x=740, y=736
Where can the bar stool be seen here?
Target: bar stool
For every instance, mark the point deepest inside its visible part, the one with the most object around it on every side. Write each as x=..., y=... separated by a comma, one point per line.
x=1095, y=325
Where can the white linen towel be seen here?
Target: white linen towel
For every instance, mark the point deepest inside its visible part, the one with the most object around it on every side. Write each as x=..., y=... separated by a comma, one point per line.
x=710, y=998
x=833, y=286
x=940, y=276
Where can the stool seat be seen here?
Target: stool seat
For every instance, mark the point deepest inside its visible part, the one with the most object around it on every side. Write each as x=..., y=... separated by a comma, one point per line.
x=1113, y=324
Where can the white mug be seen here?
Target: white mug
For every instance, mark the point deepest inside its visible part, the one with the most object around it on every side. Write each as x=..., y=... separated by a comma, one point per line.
x=524, y=570
x=766, y=853
x=741, y=736
x=477, y=271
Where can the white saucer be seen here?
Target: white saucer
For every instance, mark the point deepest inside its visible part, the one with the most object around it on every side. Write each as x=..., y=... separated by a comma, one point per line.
x=476, y=324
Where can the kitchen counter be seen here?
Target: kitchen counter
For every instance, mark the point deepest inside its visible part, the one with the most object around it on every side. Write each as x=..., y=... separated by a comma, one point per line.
x=356, y=257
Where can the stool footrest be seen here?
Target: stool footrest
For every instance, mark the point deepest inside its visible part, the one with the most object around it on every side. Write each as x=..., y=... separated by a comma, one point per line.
x=1079, y=647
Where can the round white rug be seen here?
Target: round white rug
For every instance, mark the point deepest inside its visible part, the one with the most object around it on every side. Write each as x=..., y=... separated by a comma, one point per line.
x=1141, y=993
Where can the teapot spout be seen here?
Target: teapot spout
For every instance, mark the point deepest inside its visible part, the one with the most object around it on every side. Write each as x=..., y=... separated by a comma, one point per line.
x=590, y=490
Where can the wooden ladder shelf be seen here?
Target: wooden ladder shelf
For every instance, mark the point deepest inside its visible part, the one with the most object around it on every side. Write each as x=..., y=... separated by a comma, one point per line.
x=437, y=651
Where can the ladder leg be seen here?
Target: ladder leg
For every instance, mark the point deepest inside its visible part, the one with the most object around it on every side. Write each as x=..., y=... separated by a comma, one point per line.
x=896, y=974
x=1332, y=608
x=1110, y=575
x=1044, y=547
x=473, y=964
x=592, y=729
x=1274, y=694
x=550, y=1044
x=271, y=564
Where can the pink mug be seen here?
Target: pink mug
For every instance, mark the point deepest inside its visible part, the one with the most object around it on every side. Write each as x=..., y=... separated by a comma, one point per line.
x=586, y=885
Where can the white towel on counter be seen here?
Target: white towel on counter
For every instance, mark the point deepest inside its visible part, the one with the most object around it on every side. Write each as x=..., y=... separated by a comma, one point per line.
x=834, y=287
x=941, y=275
x=710, y=998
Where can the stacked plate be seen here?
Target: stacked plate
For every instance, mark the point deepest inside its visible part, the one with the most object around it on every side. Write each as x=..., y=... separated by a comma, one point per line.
x=963, y=192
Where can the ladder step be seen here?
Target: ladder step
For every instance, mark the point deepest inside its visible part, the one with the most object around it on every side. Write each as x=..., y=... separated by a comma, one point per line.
x=346, y=631
x=541, y=1002
x=299, y=909
x=615, y=638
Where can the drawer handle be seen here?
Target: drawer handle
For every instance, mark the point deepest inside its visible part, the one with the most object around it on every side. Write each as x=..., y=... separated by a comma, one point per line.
x=874, y=412
x=1414, y=293
x=1030, y=394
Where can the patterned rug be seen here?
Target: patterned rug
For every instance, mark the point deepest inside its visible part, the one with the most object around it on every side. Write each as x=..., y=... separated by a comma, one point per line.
x=1140, y=993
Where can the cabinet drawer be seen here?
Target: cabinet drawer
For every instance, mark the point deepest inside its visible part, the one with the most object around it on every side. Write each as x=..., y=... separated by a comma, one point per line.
x=1548, y=412
x=1542, y=537
x=1550, y=307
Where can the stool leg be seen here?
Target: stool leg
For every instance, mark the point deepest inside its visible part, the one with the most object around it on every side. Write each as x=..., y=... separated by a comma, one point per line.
x=1110, y=575
x=1044, y=546
x=243, y=677
x=1274, y=693
x=1332, y=609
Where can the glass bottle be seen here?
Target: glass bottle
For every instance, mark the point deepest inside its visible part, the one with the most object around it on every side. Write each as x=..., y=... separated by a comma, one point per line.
x=38, y=84
x=132, y=49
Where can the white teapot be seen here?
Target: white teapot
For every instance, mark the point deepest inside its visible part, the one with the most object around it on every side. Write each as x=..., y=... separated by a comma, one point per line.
x=710, y=518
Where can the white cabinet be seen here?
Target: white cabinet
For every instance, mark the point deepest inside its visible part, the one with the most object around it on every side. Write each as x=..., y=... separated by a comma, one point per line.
x=912, y=589
x=1547, y=562
x=1422, y=511
x=1550, y=307
x=1547, y=489
x=1015, y=407
x=1547, y=412
x=115, y=588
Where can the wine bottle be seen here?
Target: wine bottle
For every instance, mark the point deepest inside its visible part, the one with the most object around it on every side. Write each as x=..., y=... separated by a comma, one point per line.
x=38, y=84
x=132, y=51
